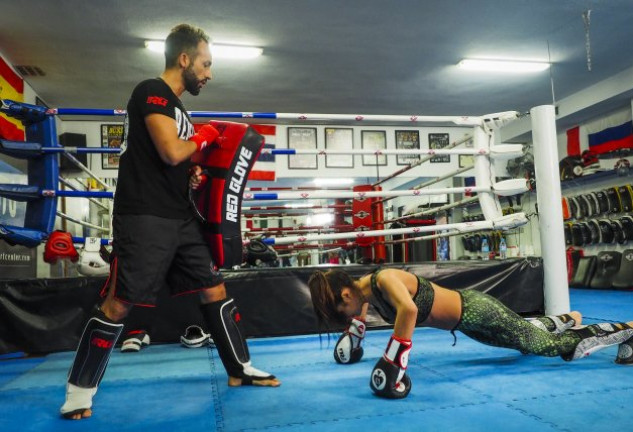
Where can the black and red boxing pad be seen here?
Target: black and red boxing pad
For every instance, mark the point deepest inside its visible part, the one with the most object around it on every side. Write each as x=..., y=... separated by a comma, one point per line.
x=603, y=202
x=592, y=208
x=59, y=246
x=626, y=197
x=566, y=213
x=226, y=163
x=613, y=196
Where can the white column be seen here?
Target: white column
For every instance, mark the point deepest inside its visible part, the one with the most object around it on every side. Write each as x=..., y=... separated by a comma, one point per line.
x=550, y=209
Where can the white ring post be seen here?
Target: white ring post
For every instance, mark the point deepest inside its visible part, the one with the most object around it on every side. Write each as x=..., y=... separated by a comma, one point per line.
x=550, y=209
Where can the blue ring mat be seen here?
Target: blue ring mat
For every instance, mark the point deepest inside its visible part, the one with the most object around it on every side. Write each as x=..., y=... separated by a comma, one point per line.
x=467, y=387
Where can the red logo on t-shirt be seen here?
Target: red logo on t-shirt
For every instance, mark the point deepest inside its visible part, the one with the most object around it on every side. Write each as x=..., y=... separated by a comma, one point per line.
x=157, y=100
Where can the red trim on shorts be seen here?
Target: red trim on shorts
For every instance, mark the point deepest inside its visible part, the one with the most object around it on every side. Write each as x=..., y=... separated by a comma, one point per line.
x=133, y=304
x=104, y=291
x=189, y=292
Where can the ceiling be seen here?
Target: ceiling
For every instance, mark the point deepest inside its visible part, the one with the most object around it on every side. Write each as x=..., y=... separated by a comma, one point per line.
x=330, y=56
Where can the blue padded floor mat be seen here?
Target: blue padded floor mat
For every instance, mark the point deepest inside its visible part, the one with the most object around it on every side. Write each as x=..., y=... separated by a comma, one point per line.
x=466, y=387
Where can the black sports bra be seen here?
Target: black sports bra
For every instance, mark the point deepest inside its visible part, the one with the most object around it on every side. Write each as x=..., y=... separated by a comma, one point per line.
x=423, y=299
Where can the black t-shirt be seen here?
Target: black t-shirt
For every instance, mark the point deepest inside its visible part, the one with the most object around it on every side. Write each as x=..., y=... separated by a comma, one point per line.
x=146, y=184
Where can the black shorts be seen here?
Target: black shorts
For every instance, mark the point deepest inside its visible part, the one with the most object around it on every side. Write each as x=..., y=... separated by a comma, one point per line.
x=150, y=251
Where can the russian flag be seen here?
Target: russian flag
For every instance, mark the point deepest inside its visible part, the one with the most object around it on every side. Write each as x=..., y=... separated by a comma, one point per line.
x=612, y=138
x=264, y=168
x=11, y=87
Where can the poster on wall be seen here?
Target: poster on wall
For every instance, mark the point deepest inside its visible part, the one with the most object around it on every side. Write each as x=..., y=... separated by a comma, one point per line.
x=111, y=137
x=439, y=141
x=374, y=140
x=407, y=140
x=302, y=138
x=339, y=139
x=466, y=161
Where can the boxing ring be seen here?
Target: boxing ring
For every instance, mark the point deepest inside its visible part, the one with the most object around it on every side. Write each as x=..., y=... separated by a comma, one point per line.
x=465, y=387
x=468, y=387
x=485, y=151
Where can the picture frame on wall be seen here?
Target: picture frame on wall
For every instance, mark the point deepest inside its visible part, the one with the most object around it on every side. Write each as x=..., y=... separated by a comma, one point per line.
x=111, y=137
x=439, y=141
x=302, y=138
x=374, y=140
x=467, y=160
x=407, y=140
x=339, y=139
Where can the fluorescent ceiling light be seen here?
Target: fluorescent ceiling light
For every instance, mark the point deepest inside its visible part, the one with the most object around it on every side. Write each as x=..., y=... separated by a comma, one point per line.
x=235, y=51
x=333, y=181
x=155, y=46
x=217, y=50
x=510, y=66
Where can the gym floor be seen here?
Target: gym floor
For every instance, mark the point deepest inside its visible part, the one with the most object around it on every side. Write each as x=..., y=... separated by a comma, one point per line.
x=466, y=387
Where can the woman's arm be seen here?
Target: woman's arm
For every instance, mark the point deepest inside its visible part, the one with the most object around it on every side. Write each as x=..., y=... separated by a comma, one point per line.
x=390, y=282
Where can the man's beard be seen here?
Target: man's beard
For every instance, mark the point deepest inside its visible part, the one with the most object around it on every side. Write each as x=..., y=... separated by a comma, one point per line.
x=191, y=81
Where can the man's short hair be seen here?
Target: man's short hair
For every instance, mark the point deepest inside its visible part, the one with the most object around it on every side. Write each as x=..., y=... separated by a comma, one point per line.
x=183, y=38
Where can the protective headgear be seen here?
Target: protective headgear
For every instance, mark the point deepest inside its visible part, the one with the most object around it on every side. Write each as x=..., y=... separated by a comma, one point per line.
x=59, y=245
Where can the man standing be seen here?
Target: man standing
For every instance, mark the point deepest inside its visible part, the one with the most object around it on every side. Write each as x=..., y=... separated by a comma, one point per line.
x=156, y=238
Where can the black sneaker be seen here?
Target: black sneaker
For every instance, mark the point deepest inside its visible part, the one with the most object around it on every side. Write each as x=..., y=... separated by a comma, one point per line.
x=135, y=340
x=595, y=337
x=194, y=337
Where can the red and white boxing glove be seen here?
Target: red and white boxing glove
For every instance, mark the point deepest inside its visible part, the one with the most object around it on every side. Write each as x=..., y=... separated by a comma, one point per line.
x=205, y=136
x=389, y=378
x=347, y=349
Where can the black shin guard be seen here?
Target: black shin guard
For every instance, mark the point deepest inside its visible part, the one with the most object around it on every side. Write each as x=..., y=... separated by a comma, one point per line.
x=223, y=320
x=93, y=353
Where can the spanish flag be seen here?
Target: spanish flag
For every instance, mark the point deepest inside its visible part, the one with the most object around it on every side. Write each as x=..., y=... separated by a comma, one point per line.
x=11, y=87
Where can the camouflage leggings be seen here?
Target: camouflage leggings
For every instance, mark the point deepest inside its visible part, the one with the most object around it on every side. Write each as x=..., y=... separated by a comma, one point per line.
x=487, y=320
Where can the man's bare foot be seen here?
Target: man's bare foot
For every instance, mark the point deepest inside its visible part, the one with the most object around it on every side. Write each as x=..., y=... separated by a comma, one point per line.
x=78, y=402
x=78, y=415
x=238, y=382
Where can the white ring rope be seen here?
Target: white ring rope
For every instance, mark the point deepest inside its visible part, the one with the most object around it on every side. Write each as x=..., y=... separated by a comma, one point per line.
x=85, y=169
x=79, y=222
x=502, y=223
x=502, y=188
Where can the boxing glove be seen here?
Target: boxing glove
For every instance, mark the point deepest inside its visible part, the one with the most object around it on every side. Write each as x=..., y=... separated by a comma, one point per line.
x=205, y=136
x=347, y=349
x=91, y=263
x=389, y=378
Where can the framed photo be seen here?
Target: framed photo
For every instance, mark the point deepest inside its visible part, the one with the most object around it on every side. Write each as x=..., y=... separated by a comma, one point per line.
x=111, y=137
x=407, y=140
x=302, y=138
x=374, y=140
x=439, y=141
x=467, y=160
x=339, y=139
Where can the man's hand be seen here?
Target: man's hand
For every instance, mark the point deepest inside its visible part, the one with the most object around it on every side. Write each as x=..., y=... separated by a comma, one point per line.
x=196, y=179
x=205, y=136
